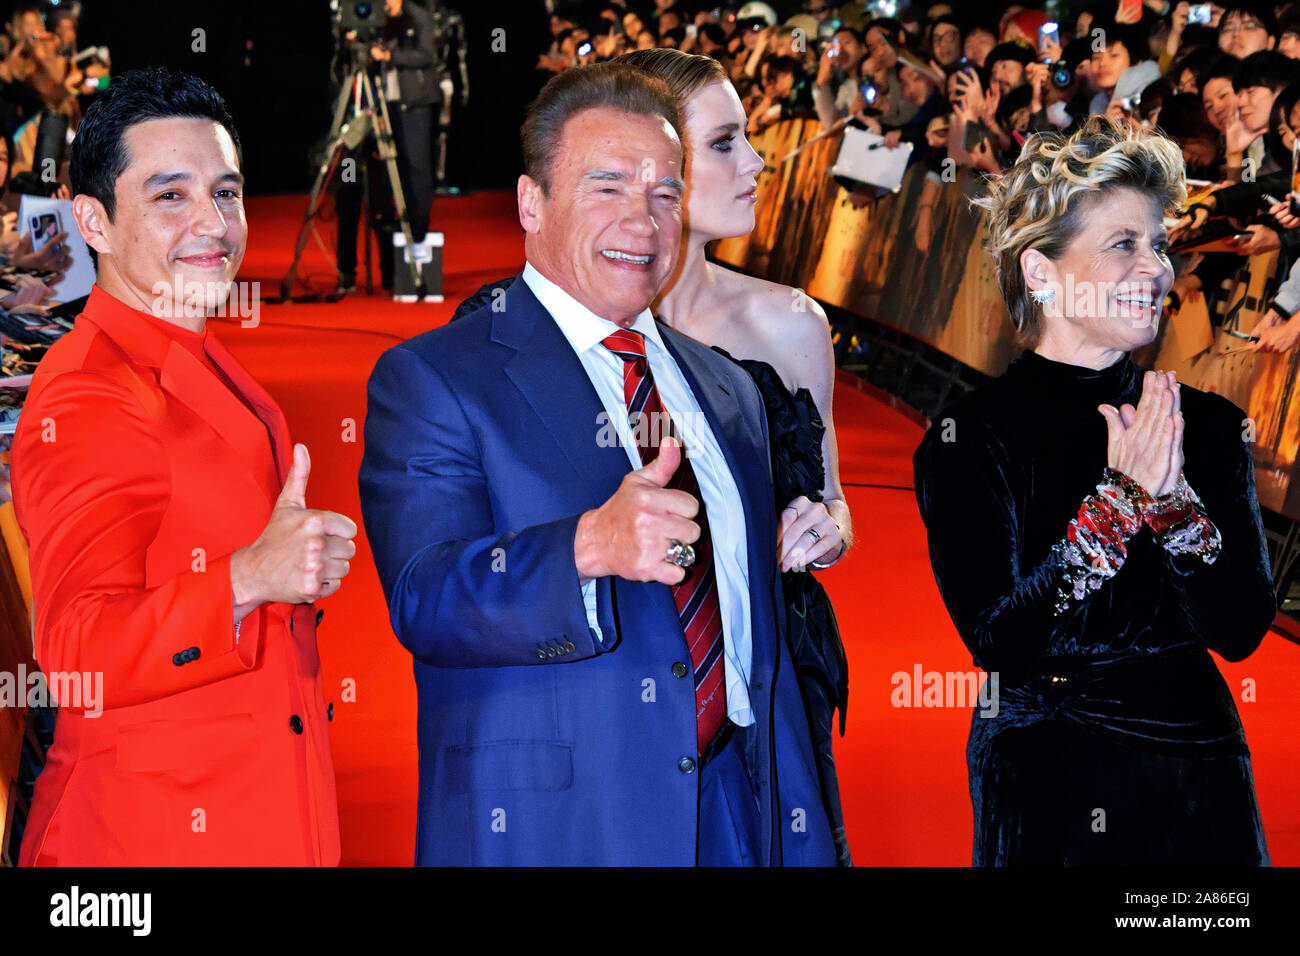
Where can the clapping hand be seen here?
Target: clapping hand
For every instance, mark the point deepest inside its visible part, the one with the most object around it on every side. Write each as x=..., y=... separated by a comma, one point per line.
x=1146, y=443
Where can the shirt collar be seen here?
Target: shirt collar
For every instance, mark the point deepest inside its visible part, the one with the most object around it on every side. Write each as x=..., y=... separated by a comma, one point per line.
x=583, y=328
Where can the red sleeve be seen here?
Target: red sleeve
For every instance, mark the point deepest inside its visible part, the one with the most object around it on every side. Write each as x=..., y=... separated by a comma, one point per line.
x=91, y=485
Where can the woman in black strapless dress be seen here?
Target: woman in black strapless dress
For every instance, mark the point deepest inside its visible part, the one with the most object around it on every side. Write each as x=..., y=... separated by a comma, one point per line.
x=796, y=434
x=782, y=338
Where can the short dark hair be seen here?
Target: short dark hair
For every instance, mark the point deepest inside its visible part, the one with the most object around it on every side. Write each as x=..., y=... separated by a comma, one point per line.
x=1224, y=67
x=784, y=64
x=715, y=33
x=99, y=156
x=1014, y=50
x=1182, y=118
x=1266, y=68
x=610, y=84
x=1255, y=11
x=1197, y=59
x=891, y=28
x=854, y=32
x=1128, y=35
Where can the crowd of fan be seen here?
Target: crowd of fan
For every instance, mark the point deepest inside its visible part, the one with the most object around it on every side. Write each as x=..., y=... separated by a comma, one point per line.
x=966, y=88
x=43, y=90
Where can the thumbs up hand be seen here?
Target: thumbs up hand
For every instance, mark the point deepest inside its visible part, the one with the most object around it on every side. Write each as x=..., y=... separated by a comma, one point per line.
x=294, y=492
x=302, y=554
x=629, y=534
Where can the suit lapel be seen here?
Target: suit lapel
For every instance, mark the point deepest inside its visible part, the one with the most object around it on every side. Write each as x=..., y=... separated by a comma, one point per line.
x=552, y=380
x=268, y=411
x=184, y=377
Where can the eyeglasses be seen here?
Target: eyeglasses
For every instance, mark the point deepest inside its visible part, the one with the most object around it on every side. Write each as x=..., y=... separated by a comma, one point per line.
x=1237, y=26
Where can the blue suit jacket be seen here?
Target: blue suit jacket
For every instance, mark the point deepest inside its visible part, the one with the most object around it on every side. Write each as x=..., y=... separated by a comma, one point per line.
x=481, y=454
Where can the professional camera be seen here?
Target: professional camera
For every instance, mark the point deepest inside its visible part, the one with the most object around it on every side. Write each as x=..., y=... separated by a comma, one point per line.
x=364, y=17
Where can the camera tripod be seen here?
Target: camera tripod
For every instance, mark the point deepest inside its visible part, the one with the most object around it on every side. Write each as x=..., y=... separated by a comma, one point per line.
x=361, y=96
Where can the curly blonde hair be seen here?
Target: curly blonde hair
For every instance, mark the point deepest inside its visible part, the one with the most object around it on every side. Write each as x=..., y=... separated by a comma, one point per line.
x=1039, y=203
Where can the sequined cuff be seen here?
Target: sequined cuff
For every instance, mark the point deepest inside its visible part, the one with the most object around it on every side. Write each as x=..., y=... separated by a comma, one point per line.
x=1180, y=524
x=1095, y=544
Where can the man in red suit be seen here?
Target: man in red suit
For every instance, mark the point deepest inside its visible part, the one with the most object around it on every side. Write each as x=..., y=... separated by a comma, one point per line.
x=172, y=550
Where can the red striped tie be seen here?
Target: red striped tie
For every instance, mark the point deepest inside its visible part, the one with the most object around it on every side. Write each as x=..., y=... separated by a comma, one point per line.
x=697, y=596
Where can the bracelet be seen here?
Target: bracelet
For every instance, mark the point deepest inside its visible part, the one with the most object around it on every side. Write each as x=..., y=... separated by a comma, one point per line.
x=1095, y=544
x=1180, y=524
x=844, y=546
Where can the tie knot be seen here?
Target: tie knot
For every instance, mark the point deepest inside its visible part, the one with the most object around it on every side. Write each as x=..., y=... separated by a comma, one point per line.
x=628, y=344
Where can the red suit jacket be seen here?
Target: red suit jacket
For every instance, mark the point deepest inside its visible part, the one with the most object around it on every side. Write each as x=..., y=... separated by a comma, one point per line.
x=136, y=474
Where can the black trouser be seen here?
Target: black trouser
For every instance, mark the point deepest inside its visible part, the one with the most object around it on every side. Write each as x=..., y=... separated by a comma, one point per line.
x=413, y=131
x=413, y=135
x=347, y=203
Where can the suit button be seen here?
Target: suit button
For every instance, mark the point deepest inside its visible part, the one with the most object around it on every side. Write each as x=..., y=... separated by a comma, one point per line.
x=686, y=765
x=541, y=654
x=570, y=647
x=680, y=669
x=319, y=615
x=550, y=651
x=329, y=711
x=295, y=724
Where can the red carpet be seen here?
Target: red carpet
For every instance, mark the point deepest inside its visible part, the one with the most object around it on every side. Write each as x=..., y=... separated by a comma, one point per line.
x=902, y=770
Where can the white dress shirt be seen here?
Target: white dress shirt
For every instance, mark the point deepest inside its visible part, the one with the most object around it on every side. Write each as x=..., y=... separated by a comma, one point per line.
x=585, y=331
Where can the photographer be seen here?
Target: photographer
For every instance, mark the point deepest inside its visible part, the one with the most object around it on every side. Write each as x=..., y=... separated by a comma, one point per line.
x=405, y=56
x=407, y=49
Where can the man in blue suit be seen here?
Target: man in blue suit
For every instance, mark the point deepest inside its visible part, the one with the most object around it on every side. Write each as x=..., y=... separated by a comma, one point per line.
x=592, y=611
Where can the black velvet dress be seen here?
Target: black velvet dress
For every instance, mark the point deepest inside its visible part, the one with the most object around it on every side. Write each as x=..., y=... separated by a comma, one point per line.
x=795, y=432
x=1115, y=740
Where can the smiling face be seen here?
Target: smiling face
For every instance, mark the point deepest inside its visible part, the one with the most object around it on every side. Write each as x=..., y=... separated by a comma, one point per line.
x=1220, y=101
x=179, y=218
x=721, y=166
x=1255, y=103
x=1112, y=280
x=609, y=230
x=851, y=51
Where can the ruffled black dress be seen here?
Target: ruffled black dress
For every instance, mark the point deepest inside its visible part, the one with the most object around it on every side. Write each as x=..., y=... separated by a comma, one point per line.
x=1115, y=740
x=795, y=432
